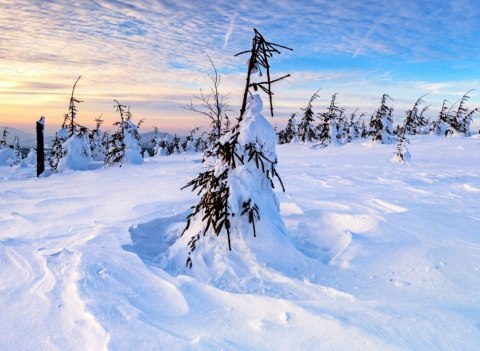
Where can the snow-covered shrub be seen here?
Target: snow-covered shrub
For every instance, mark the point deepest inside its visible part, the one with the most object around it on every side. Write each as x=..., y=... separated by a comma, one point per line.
x=161, y=148
x=441, y=126
x=174, y=146
x=415, y=122
x=402, y=155
x=10, y=155
x=305, y=129
x=7, y=156
x=188, y=144
x=452, y=122
x=71, y=148
x=200, y=144
x=331, y=122
x=98, y=141
x=381, y=123
x=77, y=154
x=354, y=127
x=57, y=148
x=461, y=119
x=290, y=133
x=124, y=145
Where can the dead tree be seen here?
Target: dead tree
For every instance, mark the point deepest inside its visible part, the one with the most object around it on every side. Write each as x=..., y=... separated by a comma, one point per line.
x=261, y=51
x=213, y=105
x=72, y=112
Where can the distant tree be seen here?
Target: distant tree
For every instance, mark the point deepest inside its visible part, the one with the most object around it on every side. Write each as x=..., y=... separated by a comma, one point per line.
x=461, y=119
x=290, y=133
x=10, y=154
x=57, y=152
x=364, y=130
x=200, y=143
x=411, y=126
x=306, y=128
x=17, y=151
x=381, y=123
x=214, y=106
x=71, y=148
x=163, y=146
x=155, y=141
x=97, y=140
x=329, y=121
x=441, y=126
x=175, y=145
x=69, y=118
x=423, y=122
x=7, y=154
x=188, y=144
x=3, y=141
x=354, y=127
x=124, y=145
x=415, y=122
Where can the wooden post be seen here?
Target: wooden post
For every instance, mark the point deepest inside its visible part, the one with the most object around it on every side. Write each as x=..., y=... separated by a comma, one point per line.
x=40, y=147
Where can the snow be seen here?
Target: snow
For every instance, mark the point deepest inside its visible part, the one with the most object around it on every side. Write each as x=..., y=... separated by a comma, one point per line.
x=77, y=155
x=7, y=156
x=133, y=151
x=379, y=256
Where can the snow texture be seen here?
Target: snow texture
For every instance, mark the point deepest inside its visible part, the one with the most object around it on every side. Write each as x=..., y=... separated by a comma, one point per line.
x=375, y=256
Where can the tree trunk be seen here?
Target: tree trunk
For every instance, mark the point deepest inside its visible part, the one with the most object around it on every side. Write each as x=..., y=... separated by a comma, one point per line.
x=40, y=149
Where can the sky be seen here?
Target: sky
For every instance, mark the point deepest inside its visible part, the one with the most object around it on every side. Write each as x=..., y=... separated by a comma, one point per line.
x=152, y=56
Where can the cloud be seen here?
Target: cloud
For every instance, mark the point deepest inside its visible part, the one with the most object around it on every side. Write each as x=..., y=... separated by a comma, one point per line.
x=229, y=31
x=156, y=49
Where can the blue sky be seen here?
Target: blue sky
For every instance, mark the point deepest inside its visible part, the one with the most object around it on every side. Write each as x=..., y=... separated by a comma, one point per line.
x=151, y=55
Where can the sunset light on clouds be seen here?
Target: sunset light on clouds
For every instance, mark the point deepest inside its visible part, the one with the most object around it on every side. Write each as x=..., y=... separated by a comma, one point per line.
x=151, y=55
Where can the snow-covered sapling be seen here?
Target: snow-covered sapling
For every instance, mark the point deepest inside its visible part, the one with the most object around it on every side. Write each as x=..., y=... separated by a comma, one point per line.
x=306, y=129
x=10, y=154
x=124, y=145
x=236, y=189
x=414, y=119
x=462, y=118
x=290, y=133
x=3, y=141
x=331, y=122
x=381, y=123
x=441, y=126
x=188, y=144
x=71, y=147
x=354, y=127
x=98, y=141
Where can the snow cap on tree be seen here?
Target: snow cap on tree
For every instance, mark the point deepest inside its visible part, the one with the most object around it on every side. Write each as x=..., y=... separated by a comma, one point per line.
x=252, y=209
x=77, y=154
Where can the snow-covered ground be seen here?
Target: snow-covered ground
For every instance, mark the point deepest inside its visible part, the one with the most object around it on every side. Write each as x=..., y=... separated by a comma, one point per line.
x=389, y=257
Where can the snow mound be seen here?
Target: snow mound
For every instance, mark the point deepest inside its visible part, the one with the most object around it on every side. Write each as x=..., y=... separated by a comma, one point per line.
x=7, y=156
x=272, y=248
x=76, y=156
